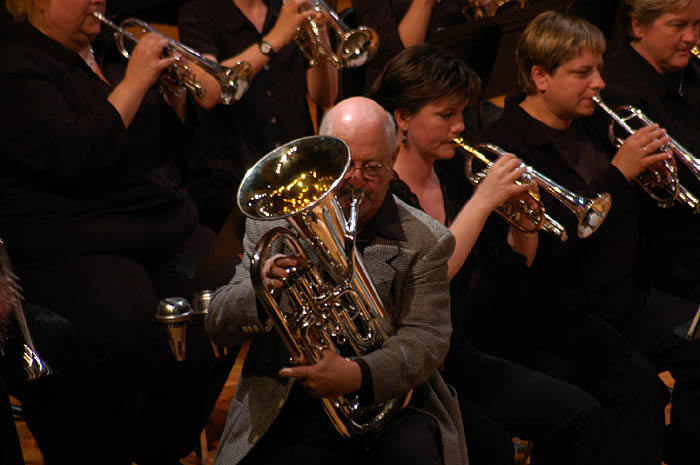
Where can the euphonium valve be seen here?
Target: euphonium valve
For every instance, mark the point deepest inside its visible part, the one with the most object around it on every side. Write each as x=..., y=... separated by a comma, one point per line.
x=590, y=212
x=335, y=309
x=234, y=81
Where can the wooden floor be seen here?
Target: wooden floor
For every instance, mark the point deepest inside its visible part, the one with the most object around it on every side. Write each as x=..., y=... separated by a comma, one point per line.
x=32, y=455
x=214, y=427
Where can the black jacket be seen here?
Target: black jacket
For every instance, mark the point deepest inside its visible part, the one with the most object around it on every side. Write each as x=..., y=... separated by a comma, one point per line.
x=672, y=234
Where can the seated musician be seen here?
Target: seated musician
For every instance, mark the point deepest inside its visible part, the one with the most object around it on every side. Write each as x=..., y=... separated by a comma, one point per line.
x=273, y=110
x=274, y=419
x=98, y=230
x=598, y=323
x=426, y=89
x=405, y=23
x=656, y=72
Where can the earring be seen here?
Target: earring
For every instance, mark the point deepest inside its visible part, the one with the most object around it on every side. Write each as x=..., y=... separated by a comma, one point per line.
x=404, y=138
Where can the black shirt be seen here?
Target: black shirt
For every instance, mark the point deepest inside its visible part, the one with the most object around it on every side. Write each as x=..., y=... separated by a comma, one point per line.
x=67, y=163
x=672, y=235
x=274, y=109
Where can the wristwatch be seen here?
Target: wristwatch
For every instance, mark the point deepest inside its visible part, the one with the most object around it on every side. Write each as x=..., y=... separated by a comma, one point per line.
x=266, y=48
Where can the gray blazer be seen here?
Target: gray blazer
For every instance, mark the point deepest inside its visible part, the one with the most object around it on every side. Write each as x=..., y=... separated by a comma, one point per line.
x=411, y=279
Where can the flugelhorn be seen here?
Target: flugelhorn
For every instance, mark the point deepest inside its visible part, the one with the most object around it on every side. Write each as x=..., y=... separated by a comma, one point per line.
x=661, y=183
x=590, y=212
x=335, y=307
x=234, y=81
x=355, y=46
x=11, y=295
x=477, y=10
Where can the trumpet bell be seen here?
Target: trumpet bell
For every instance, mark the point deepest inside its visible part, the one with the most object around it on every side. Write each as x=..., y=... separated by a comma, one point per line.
x=592, y=214
x=358, y=47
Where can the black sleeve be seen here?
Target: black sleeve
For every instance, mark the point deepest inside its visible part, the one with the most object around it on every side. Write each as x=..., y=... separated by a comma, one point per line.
x=45, y=135
x=196, y=30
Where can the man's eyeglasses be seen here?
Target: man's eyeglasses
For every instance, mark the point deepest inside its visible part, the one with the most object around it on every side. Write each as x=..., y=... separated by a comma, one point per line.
x=370, y=171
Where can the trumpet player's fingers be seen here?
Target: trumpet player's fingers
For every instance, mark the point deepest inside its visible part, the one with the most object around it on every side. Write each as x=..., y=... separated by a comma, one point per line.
x=292, y=14
x=641, y=150
x=147, y=62
x=500, y=181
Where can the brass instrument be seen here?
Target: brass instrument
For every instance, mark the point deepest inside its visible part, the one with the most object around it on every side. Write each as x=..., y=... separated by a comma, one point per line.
x=695, y=51
x=355, y=48
x=175, y=314
x=11, y=293
x=234, y=81
x=661, y=184
x=343, y=313
x=590, y=213
x=476, y=11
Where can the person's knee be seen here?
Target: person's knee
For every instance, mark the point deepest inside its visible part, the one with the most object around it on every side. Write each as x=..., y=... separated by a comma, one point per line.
x=412, y=439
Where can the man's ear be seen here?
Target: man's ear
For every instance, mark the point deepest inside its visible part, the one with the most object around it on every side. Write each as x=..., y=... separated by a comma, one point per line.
x=539, y=77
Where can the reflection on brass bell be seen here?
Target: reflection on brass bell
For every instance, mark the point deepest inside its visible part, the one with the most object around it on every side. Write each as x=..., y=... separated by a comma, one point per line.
x=175, y=313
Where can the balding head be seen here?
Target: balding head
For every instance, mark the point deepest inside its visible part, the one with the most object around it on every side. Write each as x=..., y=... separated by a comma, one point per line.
x=354, y=117
x=370, y=133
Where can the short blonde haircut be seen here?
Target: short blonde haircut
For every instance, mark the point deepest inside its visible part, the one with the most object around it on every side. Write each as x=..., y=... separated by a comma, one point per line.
x=551, y=39
x=646, y=11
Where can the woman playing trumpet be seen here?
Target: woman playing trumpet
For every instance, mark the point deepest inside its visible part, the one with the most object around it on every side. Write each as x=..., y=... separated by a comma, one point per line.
x=599, y=324
x=426, y=89
x=274, y=109
x=654, y=70
x=98, y=229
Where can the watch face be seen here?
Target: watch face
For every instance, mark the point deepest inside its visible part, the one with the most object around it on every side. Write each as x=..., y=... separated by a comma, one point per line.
x=265, y=48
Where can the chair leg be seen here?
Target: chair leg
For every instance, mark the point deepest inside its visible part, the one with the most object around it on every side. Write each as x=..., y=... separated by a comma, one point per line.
x=204, y=459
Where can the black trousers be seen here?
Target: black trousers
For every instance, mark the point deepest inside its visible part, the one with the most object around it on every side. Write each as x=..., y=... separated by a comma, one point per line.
x=617, y=360
x=119, y=390
x=10, y=451
x=500, y=399
x=303, y=435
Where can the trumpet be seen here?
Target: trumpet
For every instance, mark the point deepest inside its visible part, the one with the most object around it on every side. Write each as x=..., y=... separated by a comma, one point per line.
x=11, y=294
x=234, y=81
x=475, y=10
x=661, y=184
x=590, y=212
x=355, y=46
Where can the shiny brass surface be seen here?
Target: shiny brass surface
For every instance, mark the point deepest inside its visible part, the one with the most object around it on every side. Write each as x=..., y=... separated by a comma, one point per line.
x=590, y=212
x=234, y=81
x=333, y=306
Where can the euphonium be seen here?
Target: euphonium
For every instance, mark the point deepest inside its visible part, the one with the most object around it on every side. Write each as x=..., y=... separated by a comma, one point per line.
x=234, y=81
x=343, y=313
x=590, y=213
x=11, y=295
x=662, y=183
x=355, y=47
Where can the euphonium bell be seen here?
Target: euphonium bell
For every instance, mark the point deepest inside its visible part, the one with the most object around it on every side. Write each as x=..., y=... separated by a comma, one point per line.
x=590, y=213
x=234, y=81
x=335, y=309
x=661, y=183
